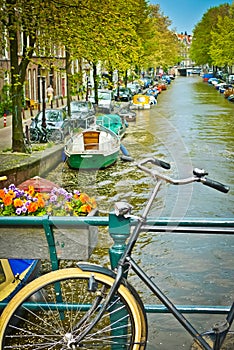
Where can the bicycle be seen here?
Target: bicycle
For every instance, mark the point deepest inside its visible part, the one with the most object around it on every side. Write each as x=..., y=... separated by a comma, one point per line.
x=40, y=134
x=92, y=307
x=27, y=141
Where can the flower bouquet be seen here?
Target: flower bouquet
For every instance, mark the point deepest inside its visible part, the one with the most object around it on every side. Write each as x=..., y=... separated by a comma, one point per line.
x=58, y=202
x=76, y=242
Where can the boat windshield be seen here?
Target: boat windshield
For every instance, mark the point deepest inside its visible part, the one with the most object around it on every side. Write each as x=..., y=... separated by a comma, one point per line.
x=79, y=107
x=104, y=96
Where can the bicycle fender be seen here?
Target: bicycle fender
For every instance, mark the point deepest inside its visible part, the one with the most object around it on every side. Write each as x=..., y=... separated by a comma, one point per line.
x=86, y=266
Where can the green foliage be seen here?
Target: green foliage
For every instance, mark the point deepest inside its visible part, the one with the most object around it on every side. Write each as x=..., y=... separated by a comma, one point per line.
x=5, y=100
x=202, y=35
x=221, y=51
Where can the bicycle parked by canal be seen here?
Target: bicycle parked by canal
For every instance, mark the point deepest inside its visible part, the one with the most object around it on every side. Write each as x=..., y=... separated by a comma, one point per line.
x=57, y=127
x=92, y=307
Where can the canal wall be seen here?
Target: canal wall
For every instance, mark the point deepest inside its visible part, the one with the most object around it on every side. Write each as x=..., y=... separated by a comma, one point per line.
x=20, y=167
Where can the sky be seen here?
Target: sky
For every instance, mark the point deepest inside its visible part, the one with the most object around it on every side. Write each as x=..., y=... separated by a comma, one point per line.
x=185, y=14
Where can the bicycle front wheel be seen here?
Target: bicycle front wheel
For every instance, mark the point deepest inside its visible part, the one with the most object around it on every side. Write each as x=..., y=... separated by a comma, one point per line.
x=55, y=310
x=55, y=136
x=34, y=135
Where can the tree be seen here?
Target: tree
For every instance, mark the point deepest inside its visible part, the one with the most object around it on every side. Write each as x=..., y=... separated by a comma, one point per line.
x=221, y=51
x=13, y=22
x=161, y=46
x=202, y=37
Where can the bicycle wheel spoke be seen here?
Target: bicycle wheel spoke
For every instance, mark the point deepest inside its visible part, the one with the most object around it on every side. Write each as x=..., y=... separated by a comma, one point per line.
x=65, y=309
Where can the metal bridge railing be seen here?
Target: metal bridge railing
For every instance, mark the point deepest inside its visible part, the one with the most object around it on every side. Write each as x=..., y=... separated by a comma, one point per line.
x=119, y=229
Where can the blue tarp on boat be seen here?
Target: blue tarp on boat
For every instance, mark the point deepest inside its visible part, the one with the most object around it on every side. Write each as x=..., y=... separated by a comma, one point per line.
x=19, y=265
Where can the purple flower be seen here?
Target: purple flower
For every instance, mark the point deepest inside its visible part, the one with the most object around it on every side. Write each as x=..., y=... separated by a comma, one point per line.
x=18, y=211
x=12, y=187
x=69, y=196
x=24, y=209
x=53, y=198
x=62, y=191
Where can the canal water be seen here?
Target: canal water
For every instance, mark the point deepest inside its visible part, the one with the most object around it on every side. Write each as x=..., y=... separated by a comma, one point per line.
x=191, y=126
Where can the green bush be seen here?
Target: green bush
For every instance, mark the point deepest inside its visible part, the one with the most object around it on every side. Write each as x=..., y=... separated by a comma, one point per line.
x=5, y=101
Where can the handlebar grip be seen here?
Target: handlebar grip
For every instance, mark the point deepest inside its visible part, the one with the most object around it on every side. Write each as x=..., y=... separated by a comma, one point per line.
x=215, y=184
x=161, y=163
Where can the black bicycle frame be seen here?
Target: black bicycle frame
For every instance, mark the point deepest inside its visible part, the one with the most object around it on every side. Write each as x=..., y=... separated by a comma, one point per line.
x=126, y=262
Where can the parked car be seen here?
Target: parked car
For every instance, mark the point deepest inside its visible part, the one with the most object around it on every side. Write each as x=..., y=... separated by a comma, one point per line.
x=82, y=113
x=57, y=123
x=105, y=100
x=231, y=79
x=135, y=88
x=124, y=94
x=146, y=82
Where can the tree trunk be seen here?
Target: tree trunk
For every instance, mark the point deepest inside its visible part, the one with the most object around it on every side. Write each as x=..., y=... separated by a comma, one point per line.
x=95, y=83
x=68, y=73
x=17, y=88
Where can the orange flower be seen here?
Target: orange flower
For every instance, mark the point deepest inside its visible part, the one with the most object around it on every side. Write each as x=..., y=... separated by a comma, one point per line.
x=33, y=206
x=7, y=200
x=18, y=202
x=76, y=196
x=84, y=198
x=86, y=208
x=11, y=193
x=31, y=190
x=2, y=194
x=40, y=202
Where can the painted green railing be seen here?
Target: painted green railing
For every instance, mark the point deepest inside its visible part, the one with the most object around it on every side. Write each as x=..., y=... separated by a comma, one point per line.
x=119, y=229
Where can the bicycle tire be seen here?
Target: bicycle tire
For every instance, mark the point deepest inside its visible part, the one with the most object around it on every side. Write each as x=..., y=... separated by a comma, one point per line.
x=55, y=136
x=123, y=326
x=34, y=136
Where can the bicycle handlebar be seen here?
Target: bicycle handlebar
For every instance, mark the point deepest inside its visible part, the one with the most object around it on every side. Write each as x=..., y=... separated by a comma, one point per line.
x=155, y=161
x=215, y=184
x=160, y=163
x=199, y=175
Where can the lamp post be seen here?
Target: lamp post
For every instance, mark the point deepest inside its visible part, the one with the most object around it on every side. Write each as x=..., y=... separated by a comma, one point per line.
x=87, y=70
x=43, y=77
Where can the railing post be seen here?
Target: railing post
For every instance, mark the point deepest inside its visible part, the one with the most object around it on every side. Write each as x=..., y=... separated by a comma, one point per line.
x=51, y=243
x=119, y=229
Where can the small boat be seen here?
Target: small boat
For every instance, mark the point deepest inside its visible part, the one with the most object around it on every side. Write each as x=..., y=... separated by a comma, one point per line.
x=231, y=98
x=94, y=148
x=228, y=92
x=126, y=113
x=140, y=102
x=40, y=184
x=113, y=122
x=14, y=274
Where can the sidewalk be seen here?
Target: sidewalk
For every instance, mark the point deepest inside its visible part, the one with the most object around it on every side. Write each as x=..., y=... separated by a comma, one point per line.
x=11, y=163
x=6, y=131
